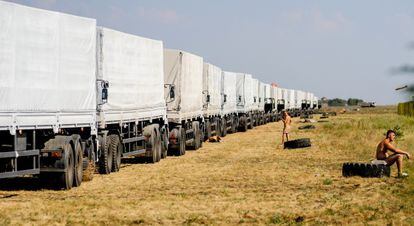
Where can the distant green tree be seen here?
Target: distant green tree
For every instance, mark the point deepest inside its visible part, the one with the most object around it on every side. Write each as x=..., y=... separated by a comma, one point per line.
x=337, y=102
x=354, y=101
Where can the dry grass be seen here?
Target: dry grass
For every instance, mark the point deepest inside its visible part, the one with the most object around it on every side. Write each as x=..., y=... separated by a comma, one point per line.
x=245, y=179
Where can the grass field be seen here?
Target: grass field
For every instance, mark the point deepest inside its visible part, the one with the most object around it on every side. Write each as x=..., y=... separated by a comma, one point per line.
x=246, y=179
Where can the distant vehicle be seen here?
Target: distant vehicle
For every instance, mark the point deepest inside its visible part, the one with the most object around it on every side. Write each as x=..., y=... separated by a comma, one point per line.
x=368, y=104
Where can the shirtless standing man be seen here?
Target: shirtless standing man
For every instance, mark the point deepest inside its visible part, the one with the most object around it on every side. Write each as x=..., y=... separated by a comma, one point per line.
x=287, y=120
x=386, y=145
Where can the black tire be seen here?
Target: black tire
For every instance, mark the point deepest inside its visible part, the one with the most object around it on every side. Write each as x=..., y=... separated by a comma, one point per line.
x=223, y=127
x=201, y=135
x=105, y=160
x=299, y=143
x=233, y=124
x=116, y=148
x=181, y=149
x=208, y=130
x=218, y=127
x=78, y=163
x=252, y=120
x=66, y=178
x=153, y=148
x=158, y=145
x=243, y=124
x=164, y=142
x=365, y=170
x=197, y=135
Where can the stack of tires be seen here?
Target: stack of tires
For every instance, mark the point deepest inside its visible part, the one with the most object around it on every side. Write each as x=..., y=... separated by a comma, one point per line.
x=365, y=170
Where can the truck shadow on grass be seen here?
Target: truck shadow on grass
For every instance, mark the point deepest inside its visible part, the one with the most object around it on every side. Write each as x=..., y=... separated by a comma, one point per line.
x=35, y=183
x=24, y=184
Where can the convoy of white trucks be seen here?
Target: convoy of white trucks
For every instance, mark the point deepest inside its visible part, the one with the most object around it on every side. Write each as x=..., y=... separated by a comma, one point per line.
x=77, y=97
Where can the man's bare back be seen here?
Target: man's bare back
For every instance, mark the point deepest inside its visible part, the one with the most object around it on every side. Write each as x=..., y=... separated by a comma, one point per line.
x=382, y=149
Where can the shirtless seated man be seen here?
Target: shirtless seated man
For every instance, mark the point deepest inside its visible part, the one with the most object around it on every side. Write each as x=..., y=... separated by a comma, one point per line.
x=386, y=145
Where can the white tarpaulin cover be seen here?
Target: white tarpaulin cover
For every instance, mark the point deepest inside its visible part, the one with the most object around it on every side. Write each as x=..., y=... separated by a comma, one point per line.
x=134, y=68
x=268, y=93
x=255, y=92
x=274, y=93
x=212, y=87
x=229, y=89
x=47, y=68
x=184, y=71
x=244, y=92
x=301, y=98
x=261, y=96
x=291, y=99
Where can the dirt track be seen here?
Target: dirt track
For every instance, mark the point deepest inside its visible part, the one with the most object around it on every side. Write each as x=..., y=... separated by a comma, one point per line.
x=244, y=179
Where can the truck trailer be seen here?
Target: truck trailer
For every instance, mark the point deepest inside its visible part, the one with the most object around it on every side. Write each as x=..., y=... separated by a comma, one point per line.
x=183, y=78
x=131, y=111
x=229, y=101
x=245, y=104
x=212, y=101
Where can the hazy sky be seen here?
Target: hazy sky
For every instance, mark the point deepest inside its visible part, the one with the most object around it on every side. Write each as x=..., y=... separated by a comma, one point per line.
x=332, y=48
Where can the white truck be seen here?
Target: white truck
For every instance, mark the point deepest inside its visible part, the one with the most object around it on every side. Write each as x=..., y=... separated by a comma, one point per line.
x=48, y=93
x=245, y=104
x=183, y=78
x=131, y=111
x=229, y=104
x=212, y=101
x=70, y=97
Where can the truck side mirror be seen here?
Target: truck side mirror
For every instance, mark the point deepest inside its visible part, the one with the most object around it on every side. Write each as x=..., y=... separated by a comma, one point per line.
x=208, y=98
x=239, y=98
x=225, y=98
x=254, y=99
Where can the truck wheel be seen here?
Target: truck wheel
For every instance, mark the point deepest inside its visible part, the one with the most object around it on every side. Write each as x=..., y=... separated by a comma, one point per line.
x=233, y=125
x=201, y=136
x=105, y=160
x=208, y=130
x=66, y=178
x=253, y=120
x=158, y=144
x=153, y=147
x=197, y=135
x=243, y=124
x=218, y=126
x=116, y=148
x=164, y=142
x=78, y=163
x=181, y=133
x=196, y=141
x=223, y=127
